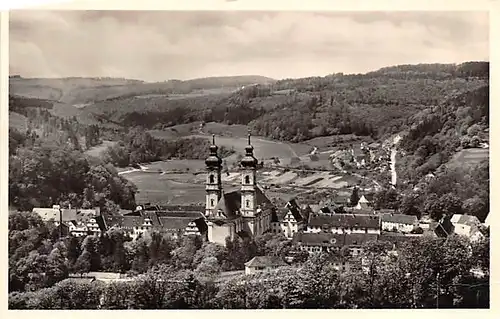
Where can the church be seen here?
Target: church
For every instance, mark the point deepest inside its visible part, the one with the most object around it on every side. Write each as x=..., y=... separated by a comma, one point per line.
x=244, y=211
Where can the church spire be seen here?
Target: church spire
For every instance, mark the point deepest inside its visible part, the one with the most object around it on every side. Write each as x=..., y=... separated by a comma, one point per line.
x=249, y=161
x=213, y=161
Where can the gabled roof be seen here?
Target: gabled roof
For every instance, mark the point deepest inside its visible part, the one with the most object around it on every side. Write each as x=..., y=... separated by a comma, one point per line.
x=385, y=211
x=327, y=239
x=468, y=220
x=180, y=214
x=53, y=213
x=395, y=238
x=131, y=221
x=345, y=220
x=265, y=261
x=319, y=239
x=399, y=219
x=294, y=208
x=174, y=223
x=279, y=214
x=160, y=220
x=183, y=208
x=359, y=211
x=354, y=239
x=363, y=200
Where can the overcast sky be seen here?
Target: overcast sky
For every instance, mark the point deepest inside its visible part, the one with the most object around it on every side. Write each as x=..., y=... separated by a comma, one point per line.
x=157, y=46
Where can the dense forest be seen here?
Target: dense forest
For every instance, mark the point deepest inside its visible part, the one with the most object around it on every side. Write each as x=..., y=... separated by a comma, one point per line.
x=42, y=176
x=183, y=274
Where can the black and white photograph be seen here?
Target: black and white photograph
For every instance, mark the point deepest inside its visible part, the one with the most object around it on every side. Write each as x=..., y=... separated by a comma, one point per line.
x=236, y=159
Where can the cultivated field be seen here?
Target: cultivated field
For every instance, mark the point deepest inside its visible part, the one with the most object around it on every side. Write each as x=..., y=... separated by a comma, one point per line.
x=169, y=182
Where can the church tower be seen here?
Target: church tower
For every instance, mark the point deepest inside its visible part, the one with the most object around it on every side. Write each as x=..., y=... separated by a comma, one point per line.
x=248, y=182
x=214, y=183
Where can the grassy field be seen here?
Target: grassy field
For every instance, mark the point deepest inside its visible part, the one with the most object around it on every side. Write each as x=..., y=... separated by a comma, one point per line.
x=168, y=182
x=263, y=148
x=469, y=157
x=161, y=189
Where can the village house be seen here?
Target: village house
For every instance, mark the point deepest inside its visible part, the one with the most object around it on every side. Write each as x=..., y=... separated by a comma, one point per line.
x=263, y=263
x=290, y=220
x=315, y=243
x=344, y=223
x=76, y=222
x=243, y=212
x=346, y=248
x=172, y=223
x=363, y=203
x=468, y=226
x=398, y=222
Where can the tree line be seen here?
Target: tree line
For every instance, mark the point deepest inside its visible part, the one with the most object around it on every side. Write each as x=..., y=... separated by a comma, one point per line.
x=138, y=146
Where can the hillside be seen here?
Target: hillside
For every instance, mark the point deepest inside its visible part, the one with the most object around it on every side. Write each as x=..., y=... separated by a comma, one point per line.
x=81, y=92
x=441, y=112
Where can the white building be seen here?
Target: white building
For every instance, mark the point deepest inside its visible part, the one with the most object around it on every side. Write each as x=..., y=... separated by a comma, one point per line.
x=467, y=225
x=344, y=224
x=263, y=263
x=398, y=222
x=290, y=220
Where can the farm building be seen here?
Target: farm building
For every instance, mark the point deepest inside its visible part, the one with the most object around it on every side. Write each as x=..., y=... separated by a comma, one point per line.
x=263, y=263
x=398, y=222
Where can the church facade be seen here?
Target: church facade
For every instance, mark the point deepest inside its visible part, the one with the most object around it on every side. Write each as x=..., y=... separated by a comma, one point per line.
x=244, y=211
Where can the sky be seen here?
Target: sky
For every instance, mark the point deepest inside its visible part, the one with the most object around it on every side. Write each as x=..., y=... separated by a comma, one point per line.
x=158, y=46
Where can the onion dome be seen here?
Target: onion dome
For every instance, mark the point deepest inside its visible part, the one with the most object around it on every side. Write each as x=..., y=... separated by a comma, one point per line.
x=249, y=161
x=213, y=161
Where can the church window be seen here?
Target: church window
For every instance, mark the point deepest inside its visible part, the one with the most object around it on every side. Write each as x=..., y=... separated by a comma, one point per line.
x=247, y=179
x=212, y=202
x=248, y=203
x=212, y=179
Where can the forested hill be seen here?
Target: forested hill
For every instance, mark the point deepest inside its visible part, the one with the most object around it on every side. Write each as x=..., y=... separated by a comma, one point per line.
x=378, y=103
x=83, y=91
x=439, y=109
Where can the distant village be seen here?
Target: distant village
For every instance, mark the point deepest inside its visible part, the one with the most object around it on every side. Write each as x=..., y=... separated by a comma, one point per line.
x=332, y=225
